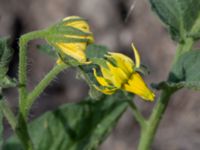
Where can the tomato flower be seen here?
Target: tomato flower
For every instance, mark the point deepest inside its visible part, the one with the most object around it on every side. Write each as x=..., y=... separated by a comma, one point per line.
x=75, y=49
x=123, y=75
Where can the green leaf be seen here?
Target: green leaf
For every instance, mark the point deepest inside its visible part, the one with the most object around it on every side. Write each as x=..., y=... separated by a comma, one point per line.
x=185, y=73
x=76, y=126
x=5, y=56
x=182, y=17
x=96, y=51
x=96, y=54
x=94, y=93
x=47, y=49
x=1, y=125
x=99, y=61
x=8, y=82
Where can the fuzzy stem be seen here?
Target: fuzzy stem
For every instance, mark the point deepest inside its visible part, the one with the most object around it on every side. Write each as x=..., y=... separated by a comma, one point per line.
x=21, y=126
x=24, y=39
x=20, y=129
x=6, y=110
x=42, y=85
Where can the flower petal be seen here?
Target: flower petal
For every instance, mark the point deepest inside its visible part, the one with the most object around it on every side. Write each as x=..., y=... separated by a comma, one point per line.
x=137, y=86
x=102, y=81
x=74, y=50
x=123, y=62
x=137, y=56
x=105, y=90
x=114, y=74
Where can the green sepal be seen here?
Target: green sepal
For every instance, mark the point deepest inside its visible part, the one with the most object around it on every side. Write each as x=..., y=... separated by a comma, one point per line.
x=62, y=39
x=69, y=60
x=142, y=70
x=96, y=51
x=48, y=49
x=86, y=72
x=67, y=30
x=97, y=54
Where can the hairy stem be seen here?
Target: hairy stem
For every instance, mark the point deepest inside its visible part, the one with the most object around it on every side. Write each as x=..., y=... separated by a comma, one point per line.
x=22, y=133
x=19, y=128
x=6, y=110
x=24, y=39
x=42, y=85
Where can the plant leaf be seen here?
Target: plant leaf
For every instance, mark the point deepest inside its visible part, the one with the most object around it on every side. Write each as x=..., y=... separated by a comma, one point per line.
x=47, y=49
x=185, y=73
x=5, y=56
x=182, y=17
x=8, y=82
x=96, y=51
x=76, y=126
x=1, y=125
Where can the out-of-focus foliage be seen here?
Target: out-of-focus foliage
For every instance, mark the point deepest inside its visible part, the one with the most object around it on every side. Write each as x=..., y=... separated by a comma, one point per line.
x=5, y=57
x=185, y=73
x=5, y=81
x=182, y=17
x=76, y=126
x=1, y=126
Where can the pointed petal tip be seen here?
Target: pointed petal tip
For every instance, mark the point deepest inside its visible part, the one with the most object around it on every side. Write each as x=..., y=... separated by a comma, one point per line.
x=150, y=97
x=137, y=56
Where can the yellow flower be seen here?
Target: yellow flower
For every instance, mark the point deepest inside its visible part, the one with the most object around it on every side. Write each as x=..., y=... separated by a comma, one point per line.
x=76, y=50
x=122, y=75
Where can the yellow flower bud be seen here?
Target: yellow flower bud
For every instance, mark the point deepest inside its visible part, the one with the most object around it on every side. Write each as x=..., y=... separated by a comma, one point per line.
x=75, y=49
x=123, y=76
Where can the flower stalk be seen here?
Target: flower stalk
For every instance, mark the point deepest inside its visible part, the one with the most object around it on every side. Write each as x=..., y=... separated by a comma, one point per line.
x=42, y=85
x=23, y=41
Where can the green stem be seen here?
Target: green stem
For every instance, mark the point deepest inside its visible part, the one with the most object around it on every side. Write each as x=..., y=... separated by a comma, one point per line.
x=41, y=86
x=148, y=133
x=20, y=129
x=183, y=48
x=21, y=126
x=22, y=133
x=5, y=108
x=137, y=114
x=24, y=39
